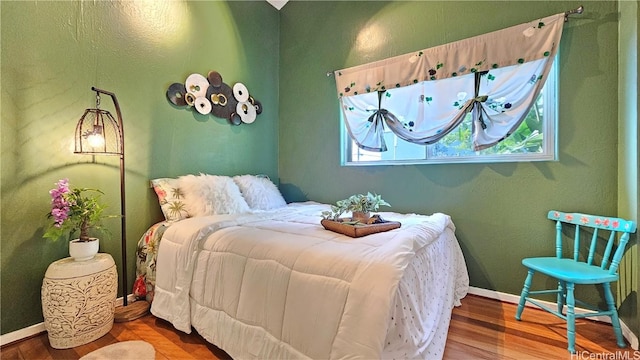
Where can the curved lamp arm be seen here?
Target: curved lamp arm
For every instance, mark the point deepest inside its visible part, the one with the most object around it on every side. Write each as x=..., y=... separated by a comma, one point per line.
x=122, y=192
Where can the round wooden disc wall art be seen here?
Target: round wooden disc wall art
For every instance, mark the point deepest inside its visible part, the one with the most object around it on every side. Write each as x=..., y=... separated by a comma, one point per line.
x=209, y=95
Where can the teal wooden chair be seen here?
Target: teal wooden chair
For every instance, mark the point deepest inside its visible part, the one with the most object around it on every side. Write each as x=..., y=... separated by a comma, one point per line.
x=580, y=270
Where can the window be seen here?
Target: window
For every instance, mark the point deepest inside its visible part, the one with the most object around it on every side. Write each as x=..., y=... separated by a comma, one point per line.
x=425, y=98
x=534, y=140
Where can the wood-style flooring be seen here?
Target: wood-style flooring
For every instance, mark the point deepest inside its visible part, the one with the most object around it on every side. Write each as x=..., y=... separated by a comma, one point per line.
x=480, y=329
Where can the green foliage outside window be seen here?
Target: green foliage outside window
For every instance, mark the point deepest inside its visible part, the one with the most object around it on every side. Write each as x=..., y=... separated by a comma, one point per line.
x=528, y=138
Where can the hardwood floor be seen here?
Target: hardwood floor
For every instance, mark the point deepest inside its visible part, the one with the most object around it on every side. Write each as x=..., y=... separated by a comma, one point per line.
x=480, y=329
x=487, y=329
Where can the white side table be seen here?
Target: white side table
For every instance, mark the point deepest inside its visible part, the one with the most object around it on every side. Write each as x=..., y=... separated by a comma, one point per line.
x=78, y=300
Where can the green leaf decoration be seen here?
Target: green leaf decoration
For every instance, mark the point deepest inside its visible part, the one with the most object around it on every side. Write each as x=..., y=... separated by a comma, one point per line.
x=177, y=208
x=177, y=193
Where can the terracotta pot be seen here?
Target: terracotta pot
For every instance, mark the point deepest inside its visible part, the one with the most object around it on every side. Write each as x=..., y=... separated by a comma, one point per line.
x=360, y=216
x=83, y=250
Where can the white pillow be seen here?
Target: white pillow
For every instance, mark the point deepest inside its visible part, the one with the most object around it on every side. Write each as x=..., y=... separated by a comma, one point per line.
x=211, y=195
x=259, y=192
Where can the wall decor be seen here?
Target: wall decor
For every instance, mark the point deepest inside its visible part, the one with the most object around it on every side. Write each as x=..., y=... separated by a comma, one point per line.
x=210, y=95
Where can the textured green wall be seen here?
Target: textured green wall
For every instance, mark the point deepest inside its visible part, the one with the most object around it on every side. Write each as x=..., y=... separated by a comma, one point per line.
x=499, y=209
x=53, y=52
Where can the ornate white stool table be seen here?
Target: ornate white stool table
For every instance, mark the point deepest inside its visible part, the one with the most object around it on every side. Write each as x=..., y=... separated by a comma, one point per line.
x=78, y=300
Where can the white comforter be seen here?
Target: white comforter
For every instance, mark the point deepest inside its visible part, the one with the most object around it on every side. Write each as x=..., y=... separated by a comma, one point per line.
x=277, y=285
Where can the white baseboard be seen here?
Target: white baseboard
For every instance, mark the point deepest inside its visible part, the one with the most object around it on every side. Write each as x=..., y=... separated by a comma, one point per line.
x=514, y=299
x=38, y=328
x=491, y=294
x=24, y=333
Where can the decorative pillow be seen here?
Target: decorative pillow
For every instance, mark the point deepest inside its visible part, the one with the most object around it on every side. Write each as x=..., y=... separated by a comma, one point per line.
x=171, y=199
x=259, y=192
x=211, y=194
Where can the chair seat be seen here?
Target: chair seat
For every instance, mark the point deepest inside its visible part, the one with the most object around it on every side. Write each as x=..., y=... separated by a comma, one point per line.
x=569, y=271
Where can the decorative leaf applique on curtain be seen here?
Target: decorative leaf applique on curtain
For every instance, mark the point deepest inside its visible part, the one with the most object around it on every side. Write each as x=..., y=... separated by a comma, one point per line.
x=495, y=76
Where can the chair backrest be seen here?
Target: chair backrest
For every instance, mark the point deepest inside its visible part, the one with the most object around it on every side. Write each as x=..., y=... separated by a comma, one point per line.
x=615, y=226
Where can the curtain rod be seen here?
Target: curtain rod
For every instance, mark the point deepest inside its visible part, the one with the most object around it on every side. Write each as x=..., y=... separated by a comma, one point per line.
x=578, y=10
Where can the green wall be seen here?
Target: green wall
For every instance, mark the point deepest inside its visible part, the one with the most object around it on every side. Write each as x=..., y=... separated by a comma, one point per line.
x=53, y=52
x=499, y=209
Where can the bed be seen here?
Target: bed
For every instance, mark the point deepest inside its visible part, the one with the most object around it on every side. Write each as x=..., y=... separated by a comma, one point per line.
x=263, y=279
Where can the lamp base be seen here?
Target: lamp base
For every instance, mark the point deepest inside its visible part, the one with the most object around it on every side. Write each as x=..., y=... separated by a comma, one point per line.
x=132, y=311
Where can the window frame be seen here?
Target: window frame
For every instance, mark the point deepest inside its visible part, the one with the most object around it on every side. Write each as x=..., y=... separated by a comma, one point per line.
x=550, y=151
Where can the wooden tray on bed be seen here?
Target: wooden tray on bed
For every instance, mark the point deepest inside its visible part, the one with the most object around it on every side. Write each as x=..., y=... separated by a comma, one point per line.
x=359, y=229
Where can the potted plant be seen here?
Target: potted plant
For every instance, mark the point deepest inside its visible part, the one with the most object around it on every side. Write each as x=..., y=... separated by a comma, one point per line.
x=75, y=211
x=360, y=206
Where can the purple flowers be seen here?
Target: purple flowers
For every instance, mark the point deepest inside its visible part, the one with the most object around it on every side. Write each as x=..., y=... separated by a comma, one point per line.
x=74, y=210
x=59, y=204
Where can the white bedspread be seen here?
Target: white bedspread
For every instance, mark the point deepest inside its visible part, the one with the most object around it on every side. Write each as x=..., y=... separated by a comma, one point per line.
x=277, y=285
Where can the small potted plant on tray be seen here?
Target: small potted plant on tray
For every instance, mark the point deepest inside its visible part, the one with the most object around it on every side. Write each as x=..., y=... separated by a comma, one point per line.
x=74, y=210
x=360, y=206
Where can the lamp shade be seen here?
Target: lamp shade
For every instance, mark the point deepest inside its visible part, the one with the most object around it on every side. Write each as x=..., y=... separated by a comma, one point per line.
x=98, y=133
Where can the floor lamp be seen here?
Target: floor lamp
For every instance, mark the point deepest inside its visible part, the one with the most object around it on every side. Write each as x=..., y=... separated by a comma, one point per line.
x=98, y=133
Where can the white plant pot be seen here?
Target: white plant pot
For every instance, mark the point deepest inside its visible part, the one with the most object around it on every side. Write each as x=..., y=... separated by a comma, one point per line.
x=83, y=250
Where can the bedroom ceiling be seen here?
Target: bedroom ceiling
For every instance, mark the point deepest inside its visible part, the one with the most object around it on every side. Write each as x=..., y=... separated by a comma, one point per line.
x=278, y=4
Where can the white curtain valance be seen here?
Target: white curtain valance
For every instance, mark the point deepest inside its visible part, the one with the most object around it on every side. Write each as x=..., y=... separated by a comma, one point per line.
x=495, y=76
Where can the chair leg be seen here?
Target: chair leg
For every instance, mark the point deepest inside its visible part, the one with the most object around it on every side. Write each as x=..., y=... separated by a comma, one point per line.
x=524, y=294
x=571, y=319
x=561, y=296
x=615, y=322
